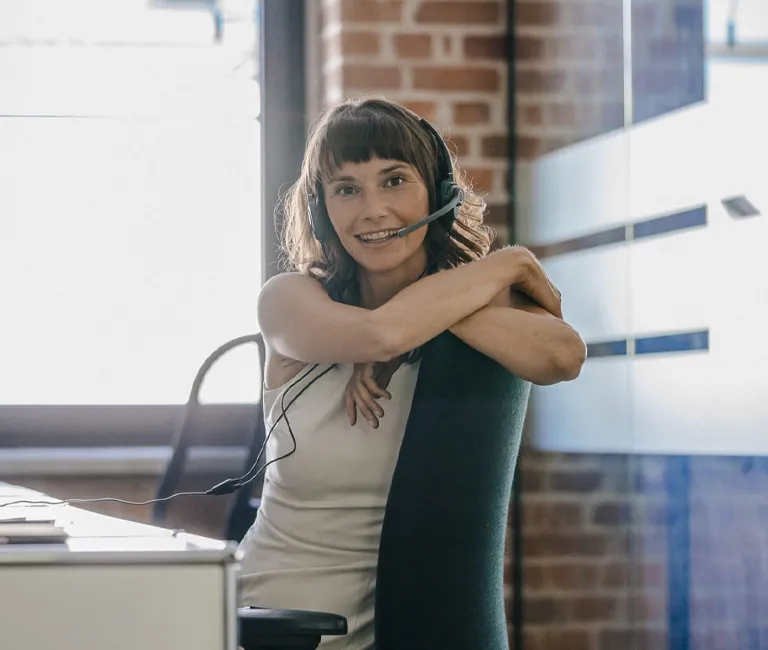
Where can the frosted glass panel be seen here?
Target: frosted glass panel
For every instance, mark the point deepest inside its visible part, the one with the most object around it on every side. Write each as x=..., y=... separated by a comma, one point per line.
x=591, y=414
x=679, y=304
x=594, y=286
x=596, y=171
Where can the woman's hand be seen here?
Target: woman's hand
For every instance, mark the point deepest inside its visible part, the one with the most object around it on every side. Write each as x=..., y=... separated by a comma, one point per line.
x=531, y=279
x=369, y=383
x=362, y=392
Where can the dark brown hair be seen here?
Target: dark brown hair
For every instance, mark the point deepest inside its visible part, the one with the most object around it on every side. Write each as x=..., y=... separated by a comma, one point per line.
x=356, y=131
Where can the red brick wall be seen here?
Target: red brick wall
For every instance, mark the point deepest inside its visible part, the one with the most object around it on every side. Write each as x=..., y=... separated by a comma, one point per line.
x=596, y=530
x=594, y=551
x=569, y=81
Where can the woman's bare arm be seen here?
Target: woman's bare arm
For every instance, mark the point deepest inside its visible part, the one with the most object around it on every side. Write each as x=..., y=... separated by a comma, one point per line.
x=524, y=338
x=300, y=322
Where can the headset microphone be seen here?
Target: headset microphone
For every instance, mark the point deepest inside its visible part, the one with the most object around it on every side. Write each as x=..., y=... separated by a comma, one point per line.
x=452, y=205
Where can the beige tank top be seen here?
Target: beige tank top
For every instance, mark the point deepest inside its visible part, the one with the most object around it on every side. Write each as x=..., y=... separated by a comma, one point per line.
x=314, y=544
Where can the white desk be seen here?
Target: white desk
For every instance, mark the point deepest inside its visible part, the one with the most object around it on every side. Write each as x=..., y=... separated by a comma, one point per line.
x=114, y=584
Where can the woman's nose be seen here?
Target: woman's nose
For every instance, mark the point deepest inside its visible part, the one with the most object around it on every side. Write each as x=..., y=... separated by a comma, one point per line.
x=372, y=205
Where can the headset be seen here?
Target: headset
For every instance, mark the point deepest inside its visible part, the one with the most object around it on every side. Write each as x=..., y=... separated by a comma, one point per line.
x=449, y=195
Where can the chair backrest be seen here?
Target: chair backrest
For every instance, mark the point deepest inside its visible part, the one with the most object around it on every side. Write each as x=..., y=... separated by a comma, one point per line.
x=440, y=582
x=241, y=513
x=247, y=500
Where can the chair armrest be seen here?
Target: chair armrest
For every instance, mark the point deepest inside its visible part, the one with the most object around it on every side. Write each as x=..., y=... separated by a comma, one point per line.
x=264, y=629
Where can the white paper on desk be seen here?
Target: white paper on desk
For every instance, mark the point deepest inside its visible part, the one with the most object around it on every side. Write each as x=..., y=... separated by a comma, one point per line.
x=11, y=533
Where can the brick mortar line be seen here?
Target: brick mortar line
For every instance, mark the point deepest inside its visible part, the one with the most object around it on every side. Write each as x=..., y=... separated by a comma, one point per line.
x=421, y=62
x=581, y=32
x=448, y=29
x=556, y=64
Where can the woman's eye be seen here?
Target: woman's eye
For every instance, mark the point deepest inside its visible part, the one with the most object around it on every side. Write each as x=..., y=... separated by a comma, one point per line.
x=345, y=190
x=395, y=181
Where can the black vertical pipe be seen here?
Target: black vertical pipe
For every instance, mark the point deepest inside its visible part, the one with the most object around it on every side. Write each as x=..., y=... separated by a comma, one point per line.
x=517, y=486
x=283, y=113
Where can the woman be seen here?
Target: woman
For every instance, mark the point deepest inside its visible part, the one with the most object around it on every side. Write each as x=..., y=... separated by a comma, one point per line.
x=369, y=285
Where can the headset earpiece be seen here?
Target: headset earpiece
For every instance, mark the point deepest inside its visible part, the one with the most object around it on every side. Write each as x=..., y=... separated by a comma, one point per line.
x=447, y=190
x=450, y=192
x=319, y=220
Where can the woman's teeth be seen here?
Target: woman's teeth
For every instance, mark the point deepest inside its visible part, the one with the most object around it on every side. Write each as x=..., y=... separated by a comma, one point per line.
x=378, y=236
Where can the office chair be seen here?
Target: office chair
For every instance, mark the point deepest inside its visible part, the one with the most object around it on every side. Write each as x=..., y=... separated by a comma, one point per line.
x=440, y=581
x=245, y=504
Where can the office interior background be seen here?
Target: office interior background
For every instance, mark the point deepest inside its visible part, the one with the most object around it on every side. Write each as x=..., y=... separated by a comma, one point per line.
x=622, y=140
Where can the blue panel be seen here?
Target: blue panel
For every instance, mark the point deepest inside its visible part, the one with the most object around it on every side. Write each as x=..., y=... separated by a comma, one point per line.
x=673, y=343
x=671, y=222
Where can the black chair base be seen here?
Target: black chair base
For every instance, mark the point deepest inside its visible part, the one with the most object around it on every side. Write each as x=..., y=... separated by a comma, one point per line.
x=281, y=629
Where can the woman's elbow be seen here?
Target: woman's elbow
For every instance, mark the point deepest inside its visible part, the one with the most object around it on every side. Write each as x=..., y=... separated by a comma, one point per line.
x=571, y=357
x=565, y=361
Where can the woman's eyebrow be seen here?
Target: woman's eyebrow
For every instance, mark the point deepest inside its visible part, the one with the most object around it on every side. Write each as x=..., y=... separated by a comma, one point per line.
x=392, y=168
x=382, y=172
x=336, y=179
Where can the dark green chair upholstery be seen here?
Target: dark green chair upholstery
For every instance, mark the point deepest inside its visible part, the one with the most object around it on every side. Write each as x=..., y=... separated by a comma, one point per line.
x=440, y=581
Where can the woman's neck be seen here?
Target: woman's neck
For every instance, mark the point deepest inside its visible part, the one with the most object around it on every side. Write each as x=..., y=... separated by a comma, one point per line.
x=378, y=288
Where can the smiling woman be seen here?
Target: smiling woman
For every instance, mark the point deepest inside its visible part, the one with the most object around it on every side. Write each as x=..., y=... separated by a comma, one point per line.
x=386, y=250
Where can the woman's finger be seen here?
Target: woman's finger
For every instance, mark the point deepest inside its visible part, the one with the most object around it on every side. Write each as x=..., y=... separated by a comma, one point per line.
x=351, y=408
x=365, y=395
x=538, y=287
x=365, y=403
x=368, y=388
x=369, y=381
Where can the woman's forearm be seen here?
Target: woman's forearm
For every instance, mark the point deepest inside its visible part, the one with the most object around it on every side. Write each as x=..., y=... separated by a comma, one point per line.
x=535, y=346
x=437, y=302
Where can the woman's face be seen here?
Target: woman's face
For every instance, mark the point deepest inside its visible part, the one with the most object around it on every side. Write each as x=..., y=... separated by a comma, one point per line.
x=368, y=202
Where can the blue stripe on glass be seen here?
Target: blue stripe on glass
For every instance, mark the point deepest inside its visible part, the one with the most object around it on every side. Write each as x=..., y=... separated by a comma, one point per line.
x=671, y=222
x=683, y=220
x=683, y=342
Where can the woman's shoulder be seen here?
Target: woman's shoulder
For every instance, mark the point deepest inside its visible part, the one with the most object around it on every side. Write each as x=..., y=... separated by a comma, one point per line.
x=289, y=281
x=276, y=302
x=287, y=288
